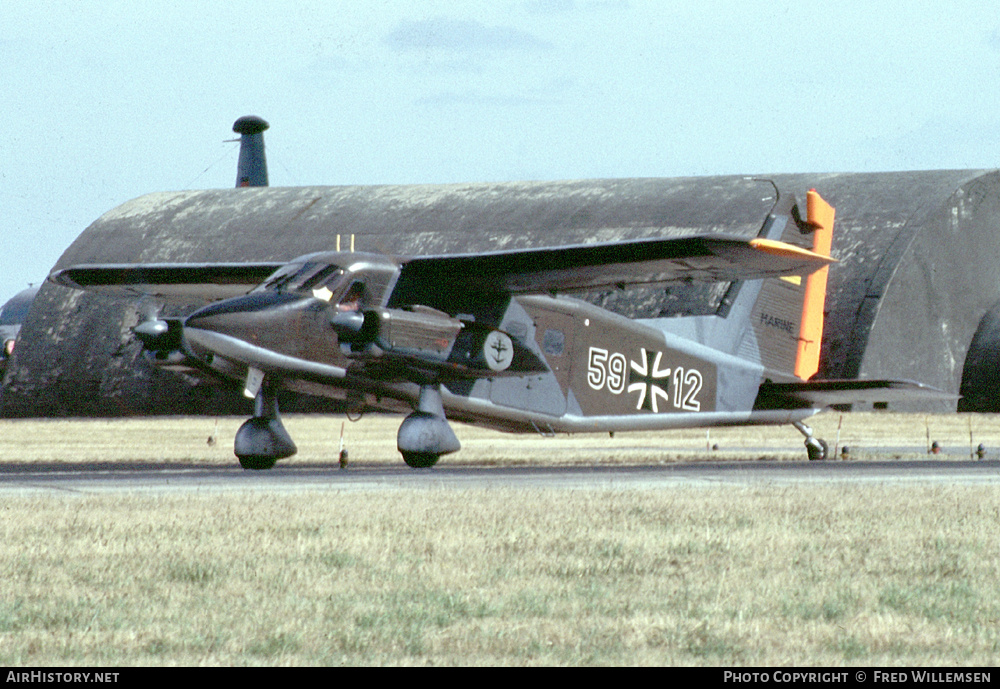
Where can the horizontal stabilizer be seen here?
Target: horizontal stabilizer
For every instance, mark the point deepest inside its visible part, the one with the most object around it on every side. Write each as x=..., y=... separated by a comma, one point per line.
x=172, y=282
x=825, y=393
x=700, y=258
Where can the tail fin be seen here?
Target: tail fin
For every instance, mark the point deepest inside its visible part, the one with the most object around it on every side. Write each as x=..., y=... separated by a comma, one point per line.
x=785, y=324
x=820, y=219
x=251, y=171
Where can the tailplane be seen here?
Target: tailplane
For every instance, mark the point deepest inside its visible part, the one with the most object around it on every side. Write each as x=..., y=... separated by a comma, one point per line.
x=774, y=342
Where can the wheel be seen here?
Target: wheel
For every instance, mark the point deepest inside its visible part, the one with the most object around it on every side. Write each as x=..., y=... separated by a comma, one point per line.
x=257, y=462
x=262, y=441
x=420, y=460
x=816, y=448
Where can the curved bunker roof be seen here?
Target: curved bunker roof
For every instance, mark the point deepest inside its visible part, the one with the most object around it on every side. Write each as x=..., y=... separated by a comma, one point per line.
x=918, y=265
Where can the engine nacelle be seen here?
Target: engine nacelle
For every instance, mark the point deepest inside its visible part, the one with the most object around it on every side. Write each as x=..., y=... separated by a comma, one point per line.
x=160, y=334
x=419, y=331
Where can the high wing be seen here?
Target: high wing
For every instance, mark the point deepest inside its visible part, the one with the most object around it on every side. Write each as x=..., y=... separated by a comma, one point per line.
x=698, y=258
x=187, y=283
x=531, y=271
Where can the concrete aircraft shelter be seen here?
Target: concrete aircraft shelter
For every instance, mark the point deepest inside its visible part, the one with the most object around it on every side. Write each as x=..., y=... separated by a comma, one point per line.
x=917, y=283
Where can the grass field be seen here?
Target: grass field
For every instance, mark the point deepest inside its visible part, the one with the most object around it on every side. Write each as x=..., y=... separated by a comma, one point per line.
x=373, y=441
x=819, y=575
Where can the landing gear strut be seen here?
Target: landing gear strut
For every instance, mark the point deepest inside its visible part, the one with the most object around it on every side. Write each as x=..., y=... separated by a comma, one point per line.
x=425, y=434
x=263, y=440
x=816, y=448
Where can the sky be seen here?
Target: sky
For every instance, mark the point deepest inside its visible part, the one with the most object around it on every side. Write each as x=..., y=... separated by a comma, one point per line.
x=103, y=101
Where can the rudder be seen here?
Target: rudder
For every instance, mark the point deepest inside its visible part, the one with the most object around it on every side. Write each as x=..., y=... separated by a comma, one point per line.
x=820, y=216
x=786, y=319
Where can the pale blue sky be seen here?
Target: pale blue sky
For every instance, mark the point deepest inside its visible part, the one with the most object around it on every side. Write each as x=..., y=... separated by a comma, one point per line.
x=105, y=101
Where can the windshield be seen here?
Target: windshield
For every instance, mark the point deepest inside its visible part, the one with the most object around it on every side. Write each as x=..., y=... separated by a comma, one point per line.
x=303, y=277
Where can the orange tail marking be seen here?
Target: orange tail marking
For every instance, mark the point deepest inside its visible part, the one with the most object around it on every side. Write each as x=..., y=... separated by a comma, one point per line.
x=820, y=215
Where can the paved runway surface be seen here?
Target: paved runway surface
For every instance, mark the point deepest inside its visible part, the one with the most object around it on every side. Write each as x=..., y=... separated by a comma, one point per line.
x=32, y=480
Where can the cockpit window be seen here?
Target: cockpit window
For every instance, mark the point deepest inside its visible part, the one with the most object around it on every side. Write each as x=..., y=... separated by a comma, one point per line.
x=304, y=277
x=351, y=301
x=280, y=278
x=304, y=274
x=321, y=277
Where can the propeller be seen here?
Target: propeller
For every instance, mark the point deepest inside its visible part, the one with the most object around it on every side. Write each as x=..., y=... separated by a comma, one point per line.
x=155, y=333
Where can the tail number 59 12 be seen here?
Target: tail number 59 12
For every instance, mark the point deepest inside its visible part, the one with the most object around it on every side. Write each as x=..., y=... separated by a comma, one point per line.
x=610, y=370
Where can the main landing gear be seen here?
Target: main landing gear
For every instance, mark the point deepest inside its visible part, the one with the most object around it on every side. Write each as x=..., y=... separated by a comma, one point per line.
x=425, y=434
x=816, y=448
x=263, y=440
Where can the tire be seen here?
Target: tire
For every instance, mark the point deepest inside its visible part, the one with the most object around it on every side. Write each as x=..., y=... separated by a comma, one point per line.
x=420, y=460
x=257, y=463
x=817, y=449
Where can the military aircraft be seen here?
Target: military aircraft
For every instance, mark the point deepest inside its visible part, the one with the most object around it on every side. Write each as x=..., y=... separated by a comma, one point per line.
x=495, y=339
x=12, y=315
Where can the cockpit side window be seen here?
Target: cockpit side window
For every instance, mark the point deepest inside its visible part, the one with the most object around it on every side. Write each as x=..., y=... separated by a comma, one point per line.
x=353, y=297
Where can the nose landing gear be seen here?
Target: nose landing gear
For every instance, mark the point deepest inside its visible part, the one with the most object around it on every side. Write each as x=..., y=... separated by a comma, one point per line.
x=263, y=440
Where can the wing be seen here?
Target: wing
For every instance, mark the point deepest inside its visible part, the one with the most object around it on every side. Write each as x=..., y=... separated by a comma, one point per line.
x=173, y=282
x=712, y=258
x=824, y=393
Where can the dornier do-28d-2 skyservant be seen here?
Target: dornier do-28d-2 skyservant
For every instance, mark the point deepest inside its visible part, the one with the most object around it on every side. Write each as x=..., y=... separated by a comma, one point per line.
x=493, y=338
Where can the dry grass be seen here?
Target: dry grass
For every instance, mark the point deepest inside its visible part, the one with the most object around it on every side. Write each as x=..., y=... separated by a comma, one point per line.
x=826, y=575
x=373, y=440
x=776, y=576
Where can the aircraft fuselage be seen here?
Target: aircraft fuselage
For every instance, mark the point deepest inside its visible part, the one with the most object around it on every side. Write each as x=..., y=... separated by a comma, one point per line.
x=545, y=364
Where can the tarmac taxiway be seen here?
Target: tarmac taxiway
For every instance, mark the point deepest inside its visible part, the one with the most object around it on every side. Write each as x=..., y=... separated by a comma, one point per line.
x=112, y=478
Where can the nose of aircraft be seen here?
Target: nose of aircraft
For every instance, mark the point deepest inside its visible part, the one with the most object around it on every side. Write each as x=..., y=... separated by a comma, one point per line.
x=251, y=315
